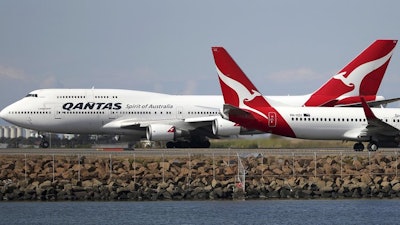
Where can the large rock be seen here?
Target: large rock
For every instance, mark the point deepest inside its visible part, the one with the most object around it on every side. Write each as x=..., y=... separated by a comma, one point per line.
x=87, y=184
x=45, y=184
x=396, y=187
x=152, y=166
x=165, y=165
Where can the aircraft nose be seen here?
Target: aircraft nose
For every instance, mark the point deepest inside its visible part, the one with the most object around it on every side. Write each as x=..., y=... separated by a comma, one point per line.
x=4, y=113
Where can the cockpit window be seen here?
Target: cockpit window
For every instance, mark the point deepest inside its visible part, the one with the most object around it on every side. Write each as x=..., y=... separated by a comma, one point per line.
x=32, y=95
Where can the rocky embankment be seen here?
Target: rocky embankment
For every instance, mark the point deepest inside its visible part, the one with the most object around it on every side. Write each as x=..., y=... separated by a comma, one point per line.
x=60, y=178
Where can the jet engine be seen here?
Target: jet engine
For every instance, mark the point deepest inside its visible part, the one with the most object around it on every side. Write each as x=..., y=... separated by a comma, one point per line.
x=162, y=132
x=223, y=127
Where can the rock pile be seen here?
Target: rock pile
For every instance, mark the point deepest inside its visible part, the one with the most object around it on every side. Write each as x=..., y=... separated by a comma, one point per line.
x=63, y=178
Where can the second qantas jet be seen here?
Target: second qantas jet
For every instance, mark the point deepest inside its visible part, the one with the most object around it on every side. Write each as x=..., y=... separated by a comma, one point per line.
x=245, y=105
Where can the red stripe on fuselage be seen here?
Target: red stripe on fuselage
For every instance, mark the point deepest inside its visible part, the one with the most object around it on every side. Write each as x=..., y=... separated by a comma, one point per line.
x=255, y=121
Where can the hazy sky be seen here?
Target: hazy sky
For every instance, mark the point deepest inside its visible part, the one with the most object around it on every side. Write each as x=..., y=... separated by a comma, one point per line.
x=285, y=47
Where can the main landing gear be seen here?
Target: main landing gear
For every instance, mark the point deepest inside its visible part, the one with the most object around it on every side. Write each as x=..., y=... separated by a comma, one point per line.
x=44, y=143
x=372, y=146
x=187, y=144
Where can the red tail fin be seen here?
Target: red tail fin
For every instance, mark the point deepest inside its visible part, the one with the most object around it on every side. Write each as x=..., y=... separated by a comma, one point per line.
x=236, y=87
x=361, y=77
x=250, y=109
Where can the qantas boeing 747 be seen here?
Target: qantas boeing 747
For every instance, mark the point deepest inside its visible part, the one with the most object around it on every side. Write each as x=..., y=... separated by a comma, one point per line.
x=180, y=120
x=245, y=105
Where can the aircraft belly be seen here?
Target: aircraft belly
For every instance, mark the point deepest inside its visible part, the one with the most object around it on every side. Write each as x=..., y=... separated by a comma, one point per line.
x=65, y=125
x=321, y=133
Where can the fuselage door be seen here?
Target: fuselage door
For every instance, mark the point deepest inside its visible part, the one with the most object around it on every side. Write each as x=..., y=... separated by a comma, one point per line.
x=57, y=112
x=179, y=112
x=112, y=114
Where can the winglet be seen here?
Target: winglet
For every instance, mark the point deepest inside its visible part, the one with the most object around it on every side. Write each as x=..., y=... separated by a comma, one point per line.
x=378, y=125
x=367, y=110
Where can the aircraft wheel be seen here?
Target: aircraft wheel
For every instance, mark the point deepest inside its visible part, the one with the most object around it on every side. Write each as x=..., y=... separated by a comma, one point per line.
x=372, y=146
x=358, y=147
x=206, y=144
x=44, y=144
x=180, y=144
x=170, y=144
x=131, y=146
x=185, y=144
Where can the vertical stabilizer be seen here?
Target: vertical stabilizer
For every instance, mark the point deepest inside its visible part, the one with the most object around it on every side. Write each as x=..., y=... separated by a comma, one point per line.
x=236, y=87
x=361, y=77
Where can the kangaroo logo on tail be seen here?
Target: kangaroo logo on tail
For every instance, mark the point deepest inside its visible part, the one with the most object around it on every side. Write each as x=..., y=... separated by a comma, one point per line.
x=362, y=76
x=341, y=77
x=355, y=77
x=243, y=94
x=249, y=108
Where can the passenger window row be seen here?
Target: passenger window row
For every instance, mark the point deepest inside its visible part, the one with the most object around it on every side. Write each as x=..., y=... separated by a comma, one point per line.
x=72, y=96
x=200, y=112
x=338, y=119
x=100, y=96
x=29, y=112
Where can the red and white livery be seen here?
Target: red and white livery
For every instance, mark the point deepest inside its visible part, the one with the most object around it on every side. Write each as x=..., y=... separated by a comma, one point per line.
x=179, y=120
x=245, y=105
x=361, y=77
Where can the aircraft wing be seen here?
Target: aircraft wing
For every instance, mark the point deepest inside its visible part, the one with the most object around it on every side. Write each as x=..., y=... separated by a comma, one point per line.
x=200, y=119
x=124, y=124
x=375, y=125
x=134, y=123
x=200, y=126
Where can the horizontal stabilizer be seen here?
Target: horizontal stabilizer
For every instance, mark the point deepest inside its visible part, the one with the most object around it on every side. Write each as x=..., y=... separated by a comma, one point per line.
x=374, y=103
x=230, y=110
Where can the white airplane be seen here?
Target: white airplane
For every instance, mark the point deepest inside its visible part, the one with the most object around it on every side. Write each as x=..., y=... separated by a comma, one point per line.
x=180, y=120
x=245, y=105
